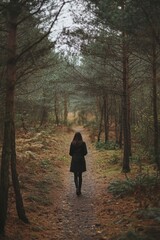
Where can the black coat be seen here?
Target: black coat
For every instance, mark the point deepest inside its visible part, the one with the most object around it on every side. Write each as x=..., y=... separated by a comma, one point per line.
x=78, y=151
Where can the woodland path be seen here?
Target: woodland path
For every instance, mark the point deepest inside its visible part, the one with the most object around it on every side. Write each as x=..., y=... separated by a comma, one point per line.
x=52, y=206
x=77, y=217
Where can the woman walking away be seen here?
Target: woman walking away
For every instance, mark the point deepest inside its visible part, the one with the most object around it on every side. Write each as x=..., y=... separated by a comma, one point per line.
x=78, y=150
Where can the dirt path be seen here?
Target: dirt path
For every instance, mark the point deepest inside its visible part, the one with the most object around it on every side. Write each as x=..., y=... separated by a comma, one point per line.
x=52, y=206
x=77, y=216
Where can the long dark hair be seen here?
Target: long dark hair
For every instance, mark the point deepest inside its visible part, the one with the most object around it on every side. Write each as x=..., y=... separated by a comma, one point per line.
x=77, y=138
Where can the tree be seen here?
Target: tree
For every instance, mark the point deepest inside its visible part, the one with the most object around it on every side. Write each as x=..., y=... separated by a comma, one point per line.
x=119, y=16
x=147, y=13
x=16, y=13
x=112, y=17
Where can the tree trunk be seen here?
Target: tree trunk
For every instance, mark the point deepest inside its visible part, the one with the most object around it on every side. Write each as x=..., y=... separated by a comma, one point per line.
x=9, y=116
x=2, y=103
x=120, y=128
x=23, y=124
x=116, y=128
x=100, y=123
x=4, y=181
x=126, y=109
x=106, y=124
x=44, y=116
x=8, y=149
x=19, y=201
x=155, y=114
x=56, y=109
x=116, y=120
x=65, y=108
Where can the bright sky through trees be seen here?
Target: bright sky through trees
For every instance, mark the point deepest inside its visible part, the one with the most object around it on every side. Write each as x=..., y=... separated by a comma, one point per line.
x=67, y=20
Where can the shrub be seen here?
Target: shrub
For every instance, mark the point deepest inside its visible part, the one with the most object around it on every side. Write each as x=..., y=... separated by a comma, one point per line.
x=109, y=145
x=129, y=186
x=133, y=236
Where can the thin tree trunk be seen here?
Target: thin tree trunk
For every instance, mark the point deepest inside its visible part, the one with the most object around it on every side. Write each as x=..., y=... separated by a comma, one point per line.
x=23, y=124
x=56, y=109
x=100, y=123
x=105, y=113
x=116, y=124
x=65, y=108
x=126, y=112
x=44, y=116
x=155, y=114
x=120, y=128
x=116, y=120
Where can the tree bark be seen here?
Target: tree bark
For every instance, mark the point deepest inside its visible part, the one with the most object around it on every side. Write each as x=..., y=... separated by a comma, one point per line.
x=4, y=181
x=155, y=114
x=19, y=200
x=126, y=109
x=8, y=148
x=65, y=108
x=106, y=124
x=9, y=116
x=120, y=128
x=44, y=116
x=56, y=109
x=101, y=108
x=116, y=120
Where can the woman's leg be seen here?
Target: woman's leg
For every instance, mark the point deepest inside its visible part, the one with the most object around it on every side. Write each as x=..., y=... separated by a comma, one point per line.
x=80, y=182
x=76, y=179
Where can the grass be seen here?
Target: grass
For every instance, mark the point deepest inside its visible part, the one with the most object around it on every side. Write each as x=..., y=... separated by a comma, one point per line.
x=38, y=228
x=64, y=158
x=108, y=163
x=109, y=145
x=43, y=186
x=45, y=163
x=40, y=199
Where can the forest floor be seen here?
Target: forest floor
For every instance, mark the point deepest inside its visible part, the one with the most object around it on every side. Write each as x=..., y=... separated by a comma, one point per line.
x=54, y=210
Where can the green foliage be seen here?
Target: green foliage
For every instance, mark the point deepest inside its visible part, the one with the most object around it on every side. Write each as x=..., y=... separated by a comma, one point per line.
x=110, y=145
x=135, y=159
x=45, y=163
x=150, y=213
x=133, y=236
x=143, y=131
x=114, y=159
x=43, y=186
x=121, y=188
x=129, y=186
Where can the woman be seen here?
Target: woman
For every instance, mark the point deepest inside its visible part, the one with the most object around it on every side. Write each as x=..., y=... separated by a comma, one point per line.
x=78, y=150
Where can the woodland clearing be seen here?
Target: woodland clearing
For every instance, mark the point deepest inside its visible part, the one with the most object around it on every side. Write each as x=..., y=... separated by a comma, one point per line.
x=54, y=210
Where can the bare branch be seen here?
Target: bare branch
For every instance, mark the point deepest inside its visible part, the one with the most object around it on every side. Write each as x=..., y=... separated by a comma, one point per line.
x=31, y=14
x=45, y=35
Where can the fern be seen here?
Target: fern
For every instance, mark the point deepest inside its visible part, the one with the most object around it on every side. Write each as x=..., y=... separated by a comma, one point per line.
x=109, y=145
x=129, y=186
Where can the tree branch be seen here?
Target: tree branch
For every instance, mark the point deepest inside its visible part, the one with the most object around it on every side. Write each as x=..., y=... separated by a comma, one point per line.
x=45, y=35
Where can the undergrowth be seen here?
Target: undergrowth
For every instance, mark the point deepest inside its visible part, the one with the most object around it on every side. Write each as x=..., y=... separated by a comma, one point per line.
x=142, y=182
x=109, y=145
x=133, y=236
